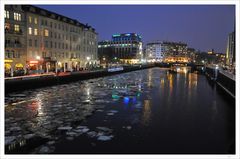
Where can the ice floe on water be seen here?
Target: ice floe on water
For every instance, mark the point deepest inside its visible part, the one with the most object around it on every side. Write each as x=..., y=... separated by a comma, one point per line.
x=65, y=128
x=104, y=138
x=112, y=112
x=9, y=139
x=51, y=112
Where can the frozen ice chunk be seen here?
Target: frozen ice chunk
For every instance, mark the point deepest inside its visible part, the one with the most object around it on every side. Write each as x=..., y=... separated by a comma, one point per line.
x=71, y=133
x=81, y=127
x=104, y=138
x=85, y=130
x=104, y=129
x=92, y=134
x=65, y=128
x=29, y=136
x=44, y=149
x=113, y=111
x=16, y=128
x=128, y=127
x=110, y=113
x=9, y=139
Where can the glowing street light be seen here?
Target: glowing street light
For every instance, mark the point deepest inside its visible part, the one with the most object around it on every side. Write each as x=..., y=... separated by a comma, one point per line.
x=38, y=57
x=88, y=58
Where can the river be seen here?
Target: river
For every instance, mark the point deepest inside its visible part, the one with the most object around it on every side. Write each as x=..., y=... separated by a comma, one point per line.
x=149, y=111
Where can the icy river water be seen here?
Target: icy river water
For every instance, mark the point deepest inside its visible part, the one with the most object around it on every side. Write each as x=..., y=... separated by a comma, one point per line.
x=146, y=111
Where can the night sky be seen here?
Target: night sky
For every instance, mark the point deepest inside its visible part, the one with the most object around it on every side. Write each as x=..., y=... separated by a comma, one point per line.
x=201, y=27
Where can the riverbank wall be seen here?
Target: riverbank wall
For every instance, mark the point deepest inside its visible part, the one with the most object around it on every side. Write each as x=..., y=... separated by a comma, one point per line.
x=24, y=83
x=224, y=81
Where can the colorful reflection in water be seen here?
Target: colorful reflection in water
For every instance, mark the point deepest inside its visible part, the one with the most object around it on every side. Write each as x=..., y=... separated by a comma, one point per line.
x=146, y=112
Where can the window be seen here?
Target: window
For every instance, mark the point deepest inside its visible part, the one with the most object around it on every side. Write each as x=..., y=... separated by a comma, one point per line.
x=30, y=31
x=35, y=20
x=46, y=44
x=46, y=33
x=30, y=19
x=16, y=28
x=17, y=16
x=35, y=31
x=30, y=42
x=36, y=43
x=6, y=14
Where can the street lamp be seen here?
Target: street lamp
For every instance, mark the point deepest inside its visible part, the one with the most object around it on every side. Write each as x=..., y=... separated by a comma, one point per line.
x=38, y=69
x=88, y=63
x=38, y=57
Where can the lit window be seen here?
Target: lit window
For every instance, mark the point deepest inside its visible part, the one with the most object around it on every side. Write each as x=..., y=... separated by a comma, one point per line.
x=16, y=28
x=46, y=33
x=17, y=16
x=30, y=19
x=35, y=20
x=30, y=31
x=6, y=14
x=35, y=31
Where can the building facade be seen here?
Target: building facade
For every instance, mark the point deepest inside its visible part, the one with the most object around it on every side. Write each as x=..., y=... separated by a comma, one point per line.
x=230, y=53
x=175, y=48
x=155, y=51
x=167, y=51
x=54, y=42
x=126, y=48
x=15, y=39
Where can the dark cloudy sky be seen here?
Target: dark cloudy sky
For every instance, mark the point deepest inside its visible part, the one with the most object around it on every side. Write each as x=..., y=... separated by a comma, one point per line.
x=201, y=26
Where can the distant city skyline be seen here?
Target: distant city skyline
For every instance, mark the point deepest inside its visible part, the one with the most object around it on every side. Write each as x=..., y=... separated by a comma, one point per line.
x=202, y=27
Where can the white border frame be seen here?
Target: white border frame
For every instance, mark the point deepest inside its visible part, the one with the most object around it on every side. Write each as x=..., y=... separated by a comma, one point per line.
x=118, y=2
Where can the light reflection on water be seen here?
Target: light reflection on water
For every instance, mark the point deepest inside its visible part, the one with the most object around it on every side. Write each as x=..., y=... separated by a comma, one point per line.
x=146, y=93
x=146, y=112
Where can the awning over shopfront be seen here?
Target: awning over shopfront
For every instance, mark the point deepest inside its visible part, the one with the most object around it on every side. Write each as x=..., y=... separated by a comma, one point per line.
x=7, y=66
x=19, y=65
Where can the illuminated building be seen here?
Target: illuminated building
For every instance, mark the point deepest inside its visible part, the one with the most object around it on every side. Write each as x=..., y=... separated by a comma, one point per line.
x=230, y=53
x=15, y=35
x=159, y=51
x=155, y=51
x=126, y=48
x=61, y=42
x=175, y=48
x=52, y=41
